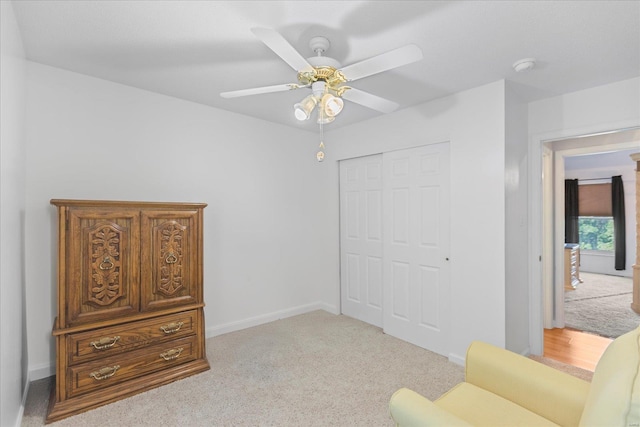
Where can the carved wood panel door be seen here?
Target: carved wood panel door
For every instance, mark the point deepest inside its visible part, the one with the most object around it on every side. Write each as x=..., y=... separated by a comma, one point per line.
x=102, y=271
x=169, y=253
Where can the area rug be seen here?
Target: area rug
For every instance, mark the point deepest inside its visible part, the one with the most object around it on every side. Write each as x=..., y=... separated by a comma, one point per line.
x=601, y=305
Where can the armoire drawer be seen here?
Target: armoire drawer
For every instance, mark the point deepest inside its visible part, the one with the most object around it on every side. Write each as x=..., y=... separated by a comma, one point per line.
x=103, y=342
x=109, y=371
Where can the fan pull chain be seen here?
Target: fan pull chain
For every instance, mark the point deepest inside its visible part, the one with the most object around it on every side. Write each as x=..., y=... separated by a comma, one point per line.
x=320, y=153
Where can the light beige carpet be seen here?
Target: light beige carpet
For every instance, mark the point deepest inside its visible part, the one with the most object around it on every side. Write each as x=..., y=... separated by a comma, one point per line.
x=601, y=305
x=315, y=369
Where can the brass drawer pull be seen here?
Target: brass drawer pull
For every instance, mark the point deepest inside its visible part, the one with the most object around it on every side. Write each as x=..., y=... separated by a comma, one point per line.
x=171, y=354
x=106, y=264
x=171, y=258
x=104, y=373
x=172, y=327
x=104, y=343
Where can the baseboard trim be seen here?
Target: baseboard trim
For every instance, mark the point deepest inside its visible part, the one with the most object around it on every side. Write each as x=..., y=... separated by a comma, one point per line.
x=42, y=371
x=458, y=360
x=24, y=401
x=269, y=317
x=526, y=352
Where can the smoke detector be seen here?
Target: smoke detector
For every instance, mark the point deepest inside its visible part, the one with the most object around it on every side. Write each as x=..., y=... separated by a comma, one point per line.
x=524, y=65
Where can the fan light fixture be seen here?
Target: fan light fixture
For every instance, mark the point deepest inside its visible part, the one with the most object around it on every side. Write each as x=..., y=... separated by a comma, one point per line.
x=323, y=120
x=330, y=107
x=304, y=108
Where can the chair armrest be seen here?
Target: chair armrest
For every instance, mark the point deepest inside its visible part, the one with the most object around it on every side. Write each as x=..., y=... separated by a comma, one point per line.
x=408, y=408
x=555, y=395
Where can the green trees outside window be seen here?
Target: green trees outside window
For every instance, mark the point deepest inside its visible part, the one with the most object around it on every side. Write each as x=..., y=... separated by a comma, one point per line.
x=596, y=233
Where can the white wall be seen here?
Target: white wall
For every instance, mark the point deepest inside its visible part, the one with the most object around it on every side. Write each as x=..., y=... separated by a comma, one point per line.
x=516, y=217
x=13, y=373
x=263, y=229
x=474, y=124
x=600, y=109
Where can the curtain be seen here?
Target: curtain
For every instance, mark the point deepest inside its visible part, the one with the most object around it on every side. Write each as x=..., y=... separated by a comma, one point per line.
x=619, y=232
x=571, y=211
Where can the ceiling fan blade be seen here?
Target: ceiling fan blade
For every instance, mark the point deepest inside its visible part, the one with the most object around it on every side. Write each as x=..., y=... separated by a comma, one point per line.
x=370, y=101
x=383, y=62
x=260, y=90
x=282, y=48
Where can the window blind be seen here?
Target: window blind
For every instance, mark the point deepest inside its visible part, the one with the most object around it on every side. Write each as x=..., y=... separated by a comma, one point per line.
x=594, y=200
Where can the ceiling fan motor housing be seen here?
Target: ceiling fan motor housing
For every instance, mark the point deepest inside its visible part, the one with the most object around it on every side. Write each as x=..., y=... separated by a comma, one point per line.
x=322, y=71
x=319, y=44
x=325, y=68
x=330, y=75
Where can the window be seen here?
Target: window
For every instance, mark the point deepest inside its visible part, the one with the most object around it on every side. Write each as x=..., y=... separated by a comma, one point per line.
x=596, y=233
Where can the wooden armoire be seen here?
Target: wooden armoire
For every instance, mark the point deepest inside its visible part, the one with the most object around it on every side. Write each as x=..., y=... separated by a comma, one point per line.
x=130, y=300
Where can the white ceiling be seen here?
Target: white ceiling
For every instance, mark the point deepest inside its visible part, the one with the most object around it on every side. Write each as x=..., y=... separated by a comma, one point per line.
x=610, y=159
x=196, y=49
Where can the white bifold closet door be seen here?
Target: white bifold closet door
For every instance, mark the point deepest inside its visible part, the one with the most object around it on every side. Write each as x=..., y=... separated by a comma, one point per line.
x=361, y=238
x=395, y=243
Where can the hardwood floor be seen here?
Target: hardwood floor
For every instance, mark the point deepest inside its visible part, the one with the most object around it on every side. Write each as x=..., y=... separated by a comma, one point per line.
x=574, y=347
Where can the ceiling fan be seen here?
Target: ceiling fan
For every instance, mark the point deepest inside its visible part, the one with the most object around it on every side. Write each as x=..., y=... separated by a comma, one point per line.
x=326, y=77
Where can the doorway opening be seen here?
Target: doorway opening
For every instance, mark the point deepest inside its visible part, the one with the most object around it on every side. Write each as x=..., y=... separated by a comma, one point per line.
x=599, y=302
x=555, y=154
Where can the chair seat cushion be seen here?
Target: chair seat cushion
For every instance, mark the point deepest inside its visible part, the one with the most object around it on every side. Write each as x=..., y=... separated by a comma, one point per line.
x=482, y=408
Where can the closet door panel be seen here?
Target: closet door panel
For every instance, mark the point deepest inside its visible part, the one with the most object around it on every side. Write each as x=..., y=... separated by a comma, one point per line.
x=361, y=238
x=416, y=246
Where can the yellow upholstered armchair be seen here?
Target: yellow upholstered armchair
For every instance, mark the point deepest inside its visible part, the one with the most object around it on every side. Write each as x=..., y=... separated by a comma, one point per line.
x=502, y=388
